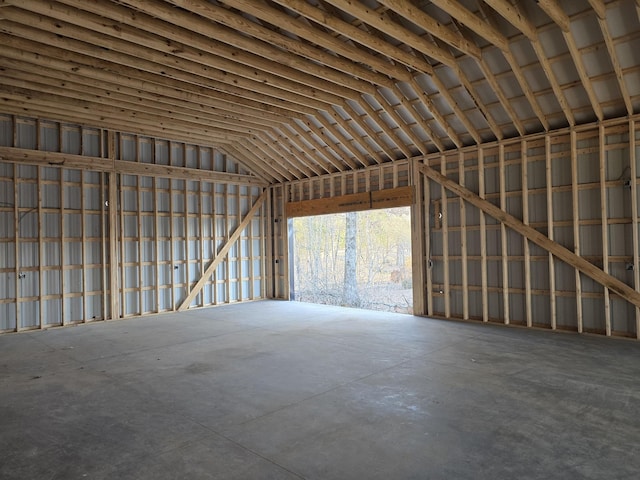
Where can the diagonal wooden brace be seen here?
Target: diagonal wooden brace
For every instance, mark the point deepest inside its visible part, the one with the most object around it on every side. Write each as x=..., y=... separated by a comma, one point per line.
x=564, y=254
x=222, y=253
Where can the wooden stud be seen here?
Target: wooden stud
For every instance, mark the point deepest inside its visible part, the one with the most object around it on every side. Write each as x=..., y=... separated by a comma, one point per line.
x=550, y=226
x=186, y=224
x=16, y=230
x=103, y=234
x=85, y=309
x=525, y=240
x=156, y=231
x=418, y=234
x=62, y=236
x=171, y=235
x=483, y=239
x=463, y=241
x=227, y=232
x=201, y=199
x=427, y=243
x=634, y=215
x=445, y=240
x=576, y=225
x=41, y=282
x=503, y=236
x=604, y=222
x=113, y=231
x=140, y=236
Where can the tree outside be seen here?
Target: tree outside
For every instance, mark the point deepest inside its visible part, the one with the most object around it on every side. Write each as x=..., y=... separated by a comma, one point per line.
x=358, y=259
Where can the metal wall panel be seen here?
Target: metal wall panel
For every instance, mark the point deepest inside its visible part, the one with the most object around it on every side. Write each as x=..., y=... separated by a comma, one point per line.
x=59, y=271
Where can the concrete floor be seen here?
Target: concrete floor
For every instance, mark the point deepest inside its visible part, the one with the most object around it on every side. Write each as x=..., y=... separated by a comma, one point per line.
x=288, y=390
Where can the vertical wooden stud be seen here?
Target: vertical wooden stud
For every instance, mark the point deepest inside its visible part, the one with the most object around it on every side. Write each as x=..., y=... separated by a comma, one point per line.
x=16, y=229
x=503, y=236
x=552, y=269
x=83, y=251
x=463, y=241
x=576, y=224
x=113, y=231
x=525, y=240
x=239, y=245
x=187, y=253
x=40, y=250
x=634, y=215
x=445, y=239
x=103, y=237
x=418, y=236
x=483, y=239
x=605, y=224
x=63, y=239
x=227, y=234
x=174, y=300
x=427, y=243
x=201, y=199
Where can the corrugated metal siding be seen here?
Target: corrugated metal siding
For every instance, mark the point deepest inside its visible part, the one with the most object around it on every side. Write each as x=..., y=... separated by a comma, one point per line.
x=58, y=272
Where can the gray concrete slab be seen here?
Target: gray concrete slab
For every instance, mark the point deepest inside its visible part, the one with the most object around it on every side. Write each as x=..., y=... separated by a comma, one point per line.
x=288, y=390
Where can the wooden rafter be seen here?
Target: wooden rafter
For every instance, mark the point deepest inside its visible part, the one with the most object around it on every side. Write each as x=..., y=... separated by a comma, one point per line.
x=512, y=14
x=129, y=40
x=324, y=150
x=200, y=75
x=314, y=155
x=233, y=20
x=271, y=15
x=227, y=43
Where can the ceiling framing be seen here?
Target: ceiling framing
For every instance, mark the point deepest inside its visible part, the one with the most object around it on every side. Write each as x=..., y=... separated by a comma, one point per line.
x=300, y=88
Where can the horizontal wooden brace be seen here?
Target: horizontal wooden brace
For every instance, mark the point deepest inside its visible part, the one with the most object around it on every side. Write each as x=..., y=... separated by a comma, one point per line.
x=97, y=164
x=564, y=254
x=388, y=198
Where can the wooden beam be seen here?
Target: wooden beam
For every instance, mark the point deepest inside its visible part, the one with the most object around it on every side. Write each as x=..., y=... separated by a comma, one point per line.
x=204, y=57
x=575, y=200
x=220, y=256
x=525, y=240
x=503, y=236
x=284, y=21
x=466, y=17
x=52, y=57
x=605, y=279
x=83, y=162
x=463, y=241
x=633, y=158
x=186, y=70
x=237, y=22
x=113, y=231
x=483, y=239
x=193, y=30
x=432, y=26
x=604, y=221
x=387, y=198
x=550, y=232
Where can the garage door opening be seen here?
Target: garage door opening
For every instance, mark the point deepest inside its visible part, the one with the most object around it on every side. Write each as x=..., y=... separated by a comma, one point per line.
x=356, y=259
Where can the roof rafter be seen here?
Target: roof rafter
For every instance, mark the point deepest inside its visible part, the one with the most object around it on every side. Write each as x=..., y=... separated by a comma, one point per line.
x=512, y=14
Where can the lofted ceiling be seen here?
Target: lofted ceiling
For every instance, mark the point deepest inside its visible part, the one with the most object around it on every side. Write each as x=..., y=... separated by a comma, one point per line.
x=301, y=88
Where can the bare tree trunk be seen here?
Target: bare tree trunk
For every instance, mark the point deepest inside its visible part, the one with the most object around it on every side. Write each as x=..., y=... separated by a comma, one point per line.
x=350, y=296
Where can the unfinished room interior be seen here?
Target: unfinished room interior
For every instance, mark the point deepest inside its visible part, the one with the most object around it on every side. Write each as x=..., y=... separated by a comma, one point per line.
x=153, y=156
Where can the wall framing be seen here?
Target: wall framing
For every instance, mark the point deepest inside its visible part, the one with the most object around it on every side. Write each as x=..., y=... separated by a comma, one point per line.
x=116, y=234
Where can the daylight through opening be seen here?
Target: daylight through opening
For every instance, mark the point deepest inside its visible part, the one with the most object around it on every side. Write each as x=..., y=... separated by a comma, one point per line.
x=356, y=259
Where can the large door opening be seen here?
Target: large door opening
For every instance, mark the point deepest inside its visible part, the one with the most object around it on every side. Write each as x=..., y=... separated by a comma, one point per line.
x=356, y=259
